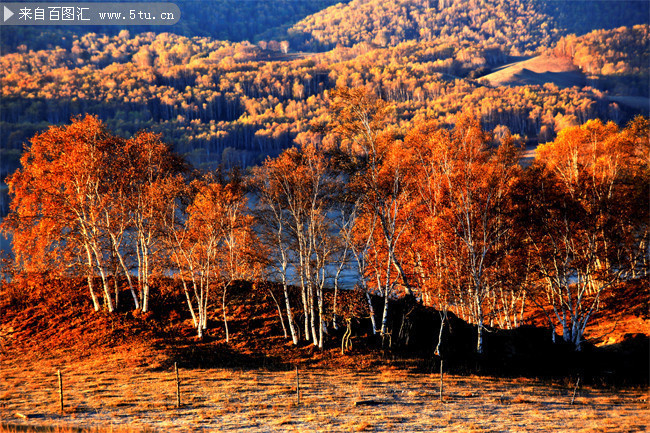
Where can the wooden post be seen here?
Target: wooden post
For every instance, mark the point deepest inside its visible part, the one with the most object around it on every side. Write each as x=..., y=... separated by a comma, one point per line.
x=441, y=376
x=297, y=387
x=574, y=391
x=58, y=373
x=178, y=387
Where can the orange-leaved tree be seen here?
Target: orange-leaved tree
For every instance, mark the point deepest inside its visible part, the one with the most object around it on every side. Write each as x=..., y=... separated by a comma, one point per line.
x=211, y=240
x=84, y=199
x=586, y=218
x=377, y=165
x=149, y=167
x=295, y=191
x=464, y=186
x=59, y=197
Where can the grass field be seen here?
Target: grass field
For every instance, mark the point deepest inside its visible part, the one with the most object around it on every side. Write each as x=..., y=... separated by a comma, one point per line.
x=104, y=395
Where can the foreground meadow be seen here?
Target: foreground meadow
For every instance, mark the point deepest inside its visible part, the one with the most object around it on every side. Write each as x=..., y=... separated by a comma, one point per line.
x=111, y=395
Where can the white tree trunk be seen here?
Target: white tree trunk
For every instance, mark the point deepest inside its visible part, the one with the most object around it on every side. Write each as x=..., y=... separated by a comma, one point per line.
x=89, y=257
x=189, y=303
x=223, y=309
x=479, y=339
x=373, y=321
x=384, y=318
x=280, y=315
x=292, y=328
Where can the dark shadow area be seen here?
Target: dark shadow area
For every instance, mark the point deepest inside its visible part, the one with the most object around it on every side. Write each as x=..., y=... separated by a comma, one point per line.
x=220, y=355
x=526, y=351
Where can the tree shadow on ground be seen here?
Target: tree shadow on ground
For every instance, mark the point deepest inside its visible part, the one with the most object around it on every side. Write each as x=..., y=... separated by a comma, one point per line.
x=220, y=355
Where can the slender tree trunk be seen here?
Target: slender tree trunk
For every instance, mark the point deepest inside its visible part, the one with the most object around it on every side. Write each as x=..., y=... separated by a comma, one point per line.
x=312, y=310
x=205, y=304
x=321, y=321
x=201, y=304
x=305, y=305
x=521, y=311
x=443, y=319
x=145, y=278
x=223, y=309
x=384, y=318
x=96, y=305
x=138, y=254
x=117, y=288
x=373, y=321
x=107, y=291
x=336, y=291
x=292, y=328
x=189, y=302
x=479, y=339
x=280, y=315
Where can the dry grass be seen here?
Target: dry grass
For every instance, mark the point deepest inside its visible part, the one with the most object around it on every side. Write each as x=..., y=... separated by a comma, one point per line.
x=101, y=397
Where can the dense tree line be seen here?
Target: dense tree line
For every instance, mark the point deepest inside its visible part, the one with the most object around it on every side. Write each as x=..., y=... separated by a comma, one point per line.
x=226, y=20
x=444, y=213
x=317, y=24
x=615, y=60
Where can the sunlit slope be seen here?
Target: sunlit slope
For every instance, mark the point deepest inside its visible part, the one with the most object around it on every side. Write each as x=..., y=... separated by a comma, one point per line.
x=513, y=26
x=537, y=70
x=505, y=24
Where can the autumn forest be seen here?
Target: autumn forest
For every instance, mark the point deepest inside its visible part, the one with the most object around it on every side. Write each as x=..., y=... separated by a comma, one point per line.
x=481, y=163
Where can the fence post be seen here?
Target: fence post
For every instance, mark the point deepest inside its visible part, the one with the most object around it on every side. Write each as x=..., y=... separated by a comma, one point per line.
x=441, y=376
x=574, y=391
x=178, y=387
x=297, y=387
x=58, y=373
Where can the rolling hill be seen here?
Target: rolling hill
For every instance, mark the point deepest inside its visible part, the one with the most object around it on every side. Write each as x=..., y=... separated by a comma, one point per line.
x=537, y=70
x=513, y=26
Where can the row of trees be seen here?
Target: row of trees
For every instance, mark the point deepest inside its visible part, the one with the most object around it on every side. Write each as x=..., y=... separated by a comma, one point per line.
x=446, y=215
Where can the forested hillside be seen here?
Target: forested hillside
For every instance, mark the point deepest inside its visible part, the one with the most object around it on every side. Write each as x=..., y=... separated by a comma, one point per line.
x=615, y=60
x=236, y=103
x=219, y=101
x=512, y=26
x=228, y=20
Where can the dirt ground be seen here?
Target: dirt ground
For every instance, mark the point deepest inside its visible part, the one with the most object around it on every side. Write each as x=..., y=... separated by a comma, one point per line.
x=106, y=394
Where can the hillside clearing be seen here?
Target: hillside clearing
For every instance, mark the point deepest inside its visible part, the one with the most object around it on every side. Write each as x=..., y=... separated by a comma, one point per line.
x=537, y=71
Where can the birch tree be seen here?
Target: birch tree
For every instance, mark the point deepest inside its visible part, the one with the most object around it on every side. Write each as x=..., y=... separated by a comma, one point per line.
x=379, y=163
x=465, y=191
x=239, y=251
x=59, y=197
x=296, y=190
x=588, y=190
x=151, y=162
x=271, y=215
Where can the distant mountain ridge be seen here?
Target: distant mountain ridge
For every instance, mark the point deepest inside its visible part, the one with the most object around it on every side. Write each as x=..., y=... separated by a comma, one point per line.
x=516, y=26
x=319, y=25
x=228, y=20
